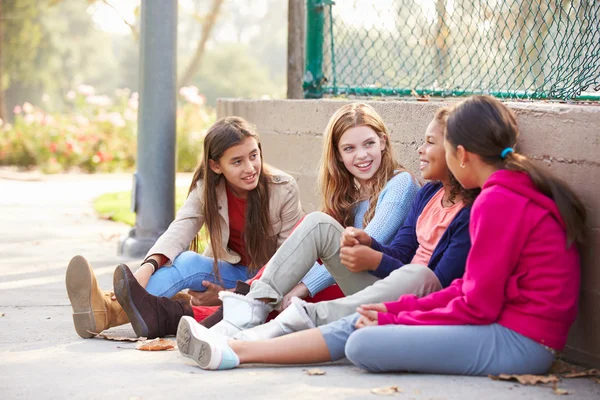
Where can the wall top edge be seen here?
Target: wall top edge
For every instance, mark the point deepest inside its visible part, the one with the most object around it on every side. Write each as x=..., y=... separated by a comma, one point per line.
x=557, y=108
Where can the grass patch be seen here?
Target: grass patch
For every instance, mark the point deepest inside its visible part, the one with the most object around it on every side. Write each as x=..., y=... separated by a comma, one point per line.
x=117, y=206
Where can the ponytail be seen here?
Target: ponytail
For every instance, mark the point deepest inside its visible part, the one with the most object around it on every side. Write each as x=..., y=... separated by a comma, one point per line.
x=486, y=127
x=569, y=205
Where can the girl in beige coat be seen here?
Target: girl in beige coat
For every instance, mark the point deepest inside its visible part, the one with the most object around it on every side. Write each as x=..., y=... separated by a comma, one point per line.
x=248, y=209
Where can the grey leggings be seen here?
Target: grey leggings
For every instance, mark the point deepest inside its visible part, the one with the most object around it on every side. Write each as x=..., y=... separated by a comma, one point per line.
x=453, y=349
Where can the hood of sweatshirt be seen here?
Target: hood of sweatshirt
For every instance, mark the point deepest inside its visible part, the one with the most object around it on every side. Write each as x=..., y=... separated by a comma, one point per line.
x=520, y=183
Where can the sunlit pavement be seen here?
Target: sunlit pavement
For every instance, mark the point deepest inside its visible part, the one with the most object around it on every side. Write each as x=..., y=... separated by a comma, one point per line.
x=45, y=220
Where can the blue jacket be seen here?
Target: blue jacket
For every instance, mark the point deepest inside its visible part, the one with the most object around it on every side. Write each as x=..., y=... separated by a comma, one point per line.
x=449, y=256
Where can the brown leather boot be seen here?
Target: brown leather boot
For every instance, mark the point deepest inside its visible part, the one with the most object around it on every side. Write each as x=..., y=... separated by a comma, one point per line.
x=242, y=288
x=93, y=309
x=150, y=316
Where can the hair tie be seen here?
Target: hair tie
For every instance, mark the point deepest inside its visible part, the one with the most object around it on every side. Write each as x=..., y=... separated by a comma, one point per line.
x=506, y=151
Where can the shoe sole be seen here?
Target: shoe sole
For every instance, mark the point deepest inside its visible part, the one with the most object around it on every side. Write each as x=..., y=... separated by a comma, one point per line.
x=121, y=287
x=78, y=281
x=191, y=346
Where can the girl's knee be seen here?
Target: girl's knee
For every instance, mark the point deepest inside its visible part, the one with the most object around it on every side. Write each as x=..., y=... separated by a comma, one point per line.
x=186, y=258
x=316, y=218
x=359, y=350
x=192, y=262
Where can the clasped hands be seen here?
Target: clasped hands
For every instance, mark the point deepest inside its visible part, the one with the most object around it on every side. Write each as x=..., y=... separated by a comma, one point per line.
x=355, y=251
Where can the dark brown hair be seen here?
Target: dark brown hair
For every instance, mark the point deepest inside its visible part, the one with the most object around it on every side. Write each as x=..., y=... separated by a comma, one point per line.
x=484, y=126
x=468, y=196
x=226, y=133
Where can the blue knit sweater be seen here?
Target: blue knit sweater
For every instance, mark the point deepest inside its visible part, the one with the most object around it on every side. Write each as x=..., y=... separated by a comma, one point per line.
x=393, y=205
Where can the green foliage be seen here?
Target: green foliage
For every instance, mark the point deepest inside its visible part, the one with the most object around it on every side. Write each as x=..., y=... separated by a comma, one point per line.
x=232, y=71
x=55, y=45
x=97, y=135
x=22, y=38
x=116, y=206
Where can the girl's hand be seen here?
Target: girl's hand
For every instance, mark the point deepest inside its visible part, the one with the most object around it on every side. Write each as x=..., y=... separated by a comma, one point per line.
x=300, y=290
x=368, y=314
x=378, y=307
x=210, y=297
x=354, y=236
x=365, y=321
x=360, y=258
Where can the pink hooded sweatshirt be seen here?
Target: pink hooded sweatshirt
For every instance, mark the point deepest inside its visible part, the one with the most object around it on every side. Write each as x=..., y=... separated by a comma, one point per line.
x=519, y=272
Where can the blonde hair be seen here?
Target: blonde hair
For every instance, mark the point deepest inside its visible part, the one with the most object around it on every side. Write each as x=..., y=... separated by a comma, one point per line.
x=339, y=191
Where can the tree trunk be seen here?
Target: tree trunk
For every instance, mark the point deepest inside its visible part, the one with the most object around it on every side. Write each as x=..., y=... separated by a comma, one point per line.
x=295, y=51
x=2, y=103
x=441, y=40
x=207, y=28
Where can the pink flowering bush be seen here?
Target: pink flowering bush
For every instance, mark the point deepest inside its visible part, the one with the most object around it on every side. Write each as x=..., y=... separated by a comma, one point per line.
x=97, y=134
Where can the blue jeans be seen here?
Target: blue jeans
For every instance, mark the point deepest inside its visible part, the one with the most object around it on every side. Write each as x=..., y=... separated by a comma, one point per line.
x=449, y=349
x=188, y=271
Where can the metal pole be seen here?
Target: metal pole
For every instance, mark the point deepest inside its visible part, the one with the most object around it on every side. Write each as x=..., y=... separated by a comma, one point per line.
x=153, y=197
x=295, y=51
x=315, y=22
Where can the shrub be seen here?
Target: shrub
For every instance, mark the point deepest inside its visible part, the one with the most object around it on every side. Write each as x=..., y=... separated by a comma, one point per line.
x=97, y=134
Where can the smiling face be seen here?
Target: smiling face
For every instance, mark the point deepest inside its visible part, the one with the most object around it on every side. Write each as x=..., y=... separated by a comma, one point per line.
x=360, y=150
x=432, y=154
x=240, y=165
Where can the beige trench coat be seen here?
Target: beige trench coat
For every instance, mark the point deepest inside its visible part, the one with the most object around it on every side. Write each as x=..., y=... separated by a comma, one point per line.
x=285, y=211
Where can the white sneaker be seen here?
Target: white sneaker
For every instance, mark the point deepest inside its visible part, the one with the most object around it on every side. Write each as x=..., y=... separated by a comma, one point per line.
x=207, y=349
x=292, y=319
x=240, y=313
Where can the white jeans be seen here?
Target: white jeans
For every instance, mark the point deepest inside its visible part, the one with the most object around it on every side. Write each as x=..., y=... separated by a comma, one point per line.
x=318, y=236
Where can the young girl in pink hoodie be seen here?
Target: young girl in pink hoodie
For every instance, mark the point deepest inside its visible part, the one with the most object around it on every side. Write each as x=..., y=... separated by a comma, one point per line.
x=511, y=311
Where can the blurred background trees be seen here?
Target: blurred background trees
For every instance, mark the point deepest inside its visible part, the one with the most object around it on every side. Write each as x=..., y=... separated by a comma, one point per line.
x=49, y=47
x=69, y=76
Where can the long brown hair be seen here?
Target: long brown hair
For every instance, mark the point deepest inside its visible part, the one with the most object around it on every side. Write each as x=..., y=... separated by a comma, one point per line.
x=225, y=133
x=484, y=126
x=338, y=188
x=468, y=196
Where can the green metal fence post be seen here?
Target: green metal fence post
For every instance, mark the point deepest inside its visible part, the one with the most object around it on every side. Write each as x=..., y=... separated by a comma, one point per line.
x=315, y=24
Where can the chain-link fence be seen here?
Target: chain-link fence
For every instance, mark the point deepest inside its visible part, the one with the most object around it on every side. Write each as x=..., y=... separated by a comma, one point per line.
x=526, y=49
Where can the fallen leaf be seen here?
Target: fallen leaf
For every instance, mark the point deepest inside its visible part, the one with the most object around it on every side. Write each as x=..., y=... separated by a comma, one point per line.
x=314, y=371
x=117, y=338
x=526, y=379
x=108, y=217
x=418, y=96
x=562, y=367
x=111, y=237
x=558, y=391
x=386, y=390
x=158, y=344
x=587, y=372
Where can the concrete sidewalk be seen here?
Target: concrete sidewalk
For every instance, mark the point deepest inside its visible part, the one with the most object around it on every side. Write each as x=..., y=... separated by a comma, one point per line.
x=45, y=220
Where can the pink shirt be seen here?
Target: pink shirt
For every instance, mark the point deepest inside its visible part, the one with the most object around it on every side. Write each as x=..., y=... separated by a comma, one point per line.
x=431, y=225
x=519, y=272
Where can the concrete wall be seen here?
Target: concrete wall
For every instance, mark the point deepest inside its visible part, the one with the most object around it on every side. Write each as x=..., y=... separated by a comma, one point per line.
x=564, y=138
